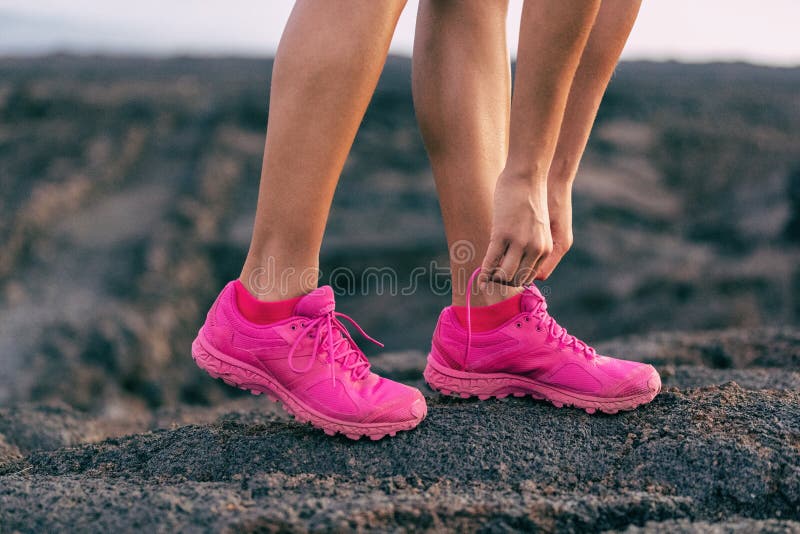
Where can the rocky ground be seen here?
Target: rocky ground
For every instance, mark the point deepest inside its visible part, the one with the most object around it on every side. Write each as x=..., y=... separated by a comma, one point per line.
x=717, y=451
x=127, y=202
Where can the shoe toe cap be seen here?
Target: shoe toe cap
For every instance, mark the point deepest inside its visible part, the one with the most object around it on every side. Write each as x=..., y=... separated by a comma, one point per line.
x=408, y=404
x=643, y=380
x=419, y=408
x=654, y=381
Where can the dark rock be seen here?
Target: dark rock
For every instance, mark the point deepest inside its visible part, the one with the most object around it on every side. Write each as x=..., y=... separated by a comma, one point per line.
x=721, y=457
x=128, y=189
x=128, y=200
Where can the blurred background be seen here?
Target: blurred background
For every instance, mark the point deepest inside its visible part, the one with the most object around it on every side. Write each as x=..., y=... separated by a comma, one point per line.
x=131, y=137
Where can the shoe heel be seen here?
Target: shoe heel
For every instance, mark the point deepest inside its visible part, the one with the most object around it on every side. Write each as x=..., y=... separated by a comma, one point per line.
x=216, y=368
x=206, y=361
x=466, y=387
x=445, y=384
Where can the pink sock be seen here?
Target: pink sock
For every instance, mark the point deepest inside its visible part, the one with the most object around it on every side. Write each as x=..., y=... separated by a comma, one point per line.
x=485, y=318
x=259, y=311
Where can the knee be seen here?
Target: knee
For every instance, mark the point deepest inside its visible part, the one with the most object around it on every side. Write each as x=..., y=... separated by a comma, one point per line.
x=479, y=12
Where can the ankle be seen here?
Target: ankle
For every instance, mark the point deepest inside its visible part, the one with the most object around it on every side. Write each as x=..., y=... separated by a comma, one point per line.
x=261, y=312
x=493, y=294
x=271, y=281
x=484, y=318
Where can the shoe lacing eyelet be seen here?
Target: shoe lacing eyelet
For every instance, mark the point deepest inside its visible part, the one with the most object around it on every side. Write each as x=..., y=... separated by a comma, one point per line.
x=519, y=325
x=294, y=327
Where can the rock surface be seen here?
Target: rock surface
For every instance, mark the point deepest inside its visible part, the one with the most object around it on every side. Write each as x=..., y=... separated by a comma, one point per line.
x=128, y=187
x=718, y=450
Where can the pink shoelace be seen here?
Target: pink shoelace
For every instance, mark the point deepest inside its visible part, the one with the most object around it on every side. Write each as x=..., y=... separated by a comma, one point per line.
x=555, y=331
x=340, y=349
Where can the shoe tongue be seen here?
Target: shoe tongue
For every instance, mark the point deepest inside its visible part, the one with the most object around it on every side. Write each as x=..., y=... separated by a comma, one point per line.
x=531, y=297
x=318, y=302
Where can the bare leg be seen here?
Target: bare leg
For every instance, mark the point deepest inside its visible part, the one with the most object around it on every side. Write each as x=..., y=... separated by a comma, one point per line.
x=552, y=38
x=606, y=41
x=462, y=92
x=326, y=68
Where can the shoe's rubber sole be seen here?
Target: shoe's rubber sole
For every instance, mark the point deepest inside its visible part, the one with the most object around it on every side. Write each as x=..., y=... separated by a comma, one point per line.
x=241, y=375
x=500, y=385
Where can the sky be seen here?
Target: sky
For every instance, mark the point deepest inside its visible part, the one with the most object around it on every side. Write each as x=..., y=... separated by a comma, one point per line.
x=762, y=32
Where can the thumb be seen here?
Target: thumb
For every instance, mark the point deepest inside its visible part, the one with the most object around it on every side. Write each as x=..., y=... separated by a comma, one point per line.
x=492, y=260
x=544, y=268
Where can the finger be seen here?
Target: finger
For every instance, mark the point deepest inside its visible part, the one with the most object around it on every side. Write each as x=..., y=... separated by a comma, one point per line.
x=550, y=263
x=494, y=255
x=560, y=248
x=527, y=271
x=540, y=263
x=507, y=271
x=534, y=270
x=546, y=268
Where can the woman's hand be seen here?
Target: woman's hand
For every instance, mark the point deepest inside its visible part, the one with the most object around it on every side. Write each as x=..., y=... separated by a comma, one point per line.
x=559, y=205
x=520, y=238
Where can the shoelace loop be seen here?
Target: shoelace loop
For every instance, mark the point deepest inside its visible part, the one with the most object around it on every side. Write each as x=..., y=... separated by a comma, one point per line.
x=554, y=330
x=341, y=349
x=558, y=333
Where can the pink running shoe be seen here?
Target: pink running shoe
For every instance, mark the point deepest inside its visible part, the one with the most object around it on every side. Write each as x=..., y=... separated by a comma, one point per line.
x=310, y=363
x=532, y=355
